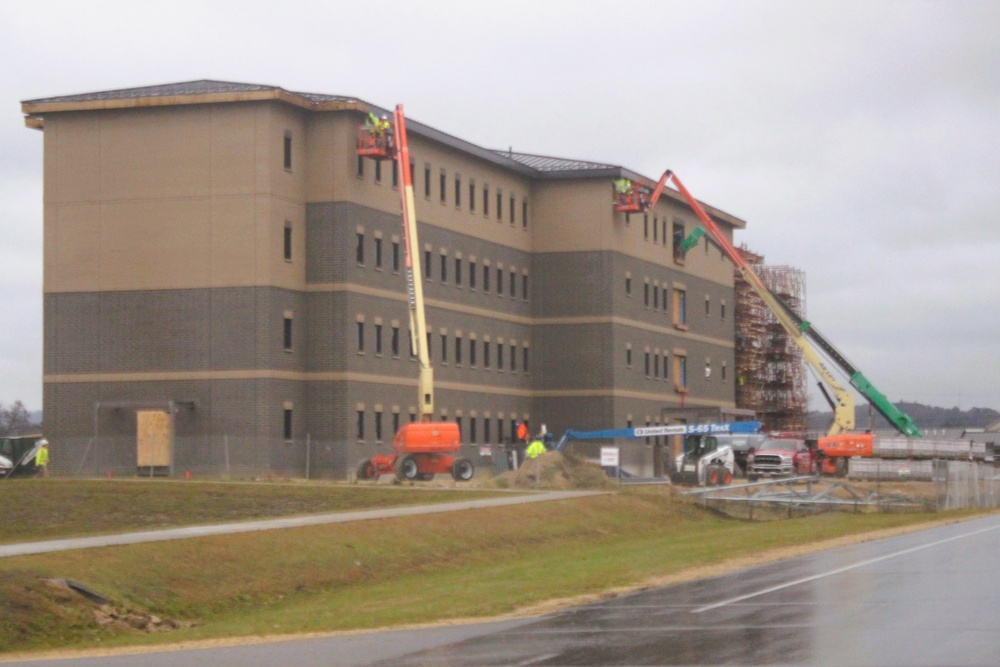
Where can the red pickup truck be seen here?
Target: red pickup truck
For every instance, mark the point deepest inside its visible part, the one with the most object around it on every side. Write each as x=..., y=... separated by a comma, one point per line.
x=781, y=457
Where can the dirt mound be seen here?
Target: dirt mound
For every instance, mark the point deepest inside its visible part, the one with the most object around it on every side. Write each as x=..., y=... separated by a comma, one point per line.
x=555, y=470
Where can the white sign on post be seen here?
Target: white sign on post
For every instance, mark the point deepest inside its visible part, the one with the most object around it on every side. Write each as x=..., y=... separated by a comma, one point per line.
x=609, y=457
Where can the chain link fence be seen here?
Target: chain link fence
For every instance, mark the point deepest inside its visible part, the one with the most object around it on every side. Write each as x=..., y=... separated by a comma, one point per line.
x=231, y=457
x=966, y=484
x=219, y=457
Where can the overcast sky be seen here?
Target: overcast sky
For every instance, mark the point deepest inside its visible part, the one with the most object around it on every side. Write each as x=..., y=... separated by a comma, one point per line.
x=859, y=140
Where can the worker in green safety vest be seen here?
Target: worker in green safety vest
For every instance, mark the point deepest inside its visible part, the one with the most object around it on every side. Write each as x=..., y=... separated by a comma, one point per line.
x=535, y=449
x=377, y=126
x=42, y=459
x=623, y=191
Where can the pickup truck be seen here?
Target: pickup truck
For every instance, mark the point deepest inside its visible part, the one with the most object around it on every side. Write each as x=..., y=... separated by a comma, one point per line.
x=781, y=457
x=742, y=444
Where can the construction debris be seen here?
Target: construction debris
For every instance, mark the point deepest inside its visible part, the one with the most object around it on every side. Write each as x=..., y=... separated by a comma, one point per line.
x=106, y=615
x=113, y=618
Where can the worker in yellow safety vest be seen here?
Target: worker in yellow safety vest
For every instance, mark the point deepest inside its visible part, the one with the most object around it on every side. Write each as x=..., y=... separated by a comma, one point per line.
x=623, y=191
x=42, y=459
x=377, y=126
x=535, y=449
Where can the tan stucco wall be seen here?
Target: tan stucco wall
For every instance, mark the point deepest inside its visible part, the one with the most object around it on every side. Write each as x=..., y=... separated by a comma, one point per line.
x=173, y=197
x=332, y=176
x=198, y=196
x=575, y=216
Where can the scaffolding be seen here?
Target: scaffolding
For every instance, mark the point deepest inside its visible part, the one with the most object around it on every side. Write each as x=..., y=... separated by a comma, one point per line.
x=770, y=370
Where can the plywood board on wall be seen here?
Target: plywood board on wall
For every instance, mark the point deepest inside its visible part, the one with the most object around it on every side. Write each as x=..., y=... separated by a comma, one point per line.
x=153, y=439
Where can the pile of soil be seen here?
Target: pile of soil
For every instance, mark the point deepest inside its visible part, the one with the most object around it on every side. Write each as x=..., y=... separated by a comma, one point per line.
x=556, y=470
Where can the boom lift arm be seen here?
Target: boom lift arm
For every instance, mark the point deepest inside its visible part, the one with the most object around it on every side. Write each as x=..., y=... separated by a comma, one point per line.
x=429, y=447
x=638, y=198
x=414, y=286
x=648, y=431
x=801, y=331
x=704, y=463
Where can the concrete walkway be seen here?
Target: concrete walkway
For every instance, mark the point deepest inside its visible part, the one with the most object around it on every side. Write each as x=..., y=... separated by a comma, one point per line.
x=29, y=548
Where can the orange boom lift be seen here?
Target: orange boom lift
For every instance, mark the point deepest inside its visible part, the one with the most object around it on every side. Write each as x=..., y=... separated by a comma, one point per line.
x=841, y=442
x=425, y=448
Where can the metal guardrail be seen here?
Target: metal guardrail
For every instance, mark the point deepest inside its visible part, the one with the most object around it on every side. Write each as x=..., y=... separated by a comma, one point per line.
x=801, y=493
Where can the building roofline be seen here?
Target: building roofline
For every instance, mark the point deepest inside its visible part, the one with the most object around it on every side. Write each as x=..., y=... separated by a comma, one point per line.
x=204, y=91
x=207, y=91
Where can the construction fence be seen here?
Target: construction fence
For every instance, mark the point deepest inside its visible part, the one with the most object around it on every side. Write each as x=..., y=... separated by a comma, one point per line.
x=966, y=484
x=223, y=457
x=957, y=484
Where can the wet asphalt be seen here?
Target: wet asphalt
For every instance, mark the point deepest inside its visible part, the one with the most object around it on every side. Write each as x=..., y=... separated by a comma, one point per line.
x=928, y=598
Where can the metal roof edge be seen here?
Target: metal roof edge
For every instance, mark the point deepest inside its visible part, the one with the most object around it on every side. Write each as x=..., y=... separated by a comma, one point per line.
x=34, y=111
x=476, y=150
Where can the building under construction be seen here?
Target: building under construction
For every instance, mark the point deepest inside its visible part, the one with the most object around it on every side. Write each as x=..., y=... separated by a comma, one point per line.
x=770, y=371
x=261, y=323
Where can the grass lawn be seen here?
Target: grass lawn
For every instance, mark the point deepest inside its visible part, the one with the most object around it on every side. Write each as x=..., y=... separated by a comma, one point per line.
x=475, y=563
x=54, y=509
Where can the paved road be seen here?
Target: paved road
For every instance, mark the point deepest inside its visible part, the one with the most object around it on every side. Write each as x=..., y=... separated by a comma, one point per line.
x=927, y=598
x=28, y=548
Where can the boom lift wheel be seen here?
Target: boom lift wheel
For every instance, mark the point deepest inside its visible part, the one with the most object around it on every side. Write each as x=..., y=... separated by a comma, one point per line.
x=366, y=470
x=462, y=470
x=407, y=468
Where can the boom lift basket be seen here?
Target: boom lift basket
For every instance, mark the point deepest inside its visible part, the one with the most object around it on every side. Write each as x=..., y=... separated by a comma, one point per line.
x=374, y=143
x=633, y=201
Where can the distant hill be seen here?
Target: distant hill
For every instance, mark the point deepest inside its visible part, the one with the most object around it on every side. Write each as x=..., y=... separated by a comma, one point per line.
x=924, y=416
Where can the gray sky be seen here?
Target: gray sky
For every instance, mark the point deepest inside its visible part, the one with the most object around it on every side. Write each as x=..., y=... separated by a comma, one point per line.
x=859, y=140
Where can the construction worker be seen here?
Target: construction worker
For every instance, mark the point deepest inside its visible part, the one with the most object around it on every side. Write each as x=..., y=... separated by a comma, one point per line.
x=522, y=432
x=535, y=449
x=42, y=459
x=379, y=127
x=623, y=190
x=379, y=132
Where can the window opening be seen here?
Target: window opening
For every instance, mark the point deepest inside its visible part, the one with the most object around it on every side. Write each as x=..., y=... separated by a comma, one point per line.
x=288, y=334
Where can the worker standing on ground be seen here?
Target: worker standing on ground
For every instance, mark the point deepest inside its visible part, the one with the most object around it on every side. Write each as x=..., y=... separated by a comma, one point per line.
x=535, y=449
x=42, y=459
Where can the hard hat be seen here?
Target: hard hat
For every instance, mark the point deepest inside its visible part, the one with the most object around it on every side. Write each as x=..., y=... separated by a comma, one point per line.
x=43, y=442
